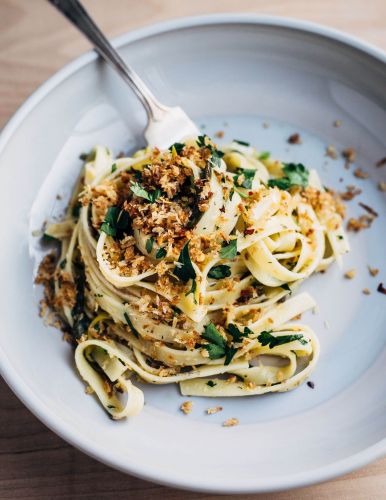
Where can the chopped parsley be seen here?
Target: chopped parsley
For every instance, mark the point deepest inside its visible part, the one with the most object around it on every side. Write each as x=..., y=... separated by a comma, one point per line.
x=149, y=245
x=265, y=338
x=178, y=147
x=132, y=328
x=116, y=222
x=211, y=383
x=248, y=176
x=47, y=238
x=220, y=272
x=141, y=192
x=63, y=263
x=237, y=334
x=243, y=143
x=76, y=210
x=264, y=155
x=161, y=253
x=192, y=290
x=185, y=270
x=215, y=159
x=111, y=407
x=217, y=347
x=113, y=167
x=285, y=286
x=229, y=250
x=296, y=174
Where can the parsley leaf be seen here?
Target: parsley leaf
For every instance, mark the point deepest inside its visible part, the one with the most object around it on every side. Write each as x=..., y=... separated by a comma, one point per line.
x=219, y=272
x=149, y=245
x=215, y=351
x=116, y=222
x=296, y=174
x=265, y=338
x=229, y=353
x=229, y=251
x=113, y=167
x=178, y=146
x=243, y=143
x=161, y=253
x=185, y=270
x=285, y=286
x=76, y=210
x=63, y=263
x=132, y=328
x=141, y=192
x=212, y=335
x=211, y=383
x=201, y=141
x=236, y=333
x=264, y=155
x=192, y=290
x=215, y=159
x=249, y=175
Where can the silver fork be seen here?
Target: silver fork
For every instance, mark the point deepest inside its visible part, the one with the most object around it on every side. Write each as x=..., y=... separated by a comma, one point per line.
x=166, y=125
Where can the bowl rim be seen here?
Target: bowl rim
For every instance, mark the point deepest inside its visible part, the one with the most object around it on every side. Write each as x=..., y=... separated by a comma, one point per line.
x=45, y=414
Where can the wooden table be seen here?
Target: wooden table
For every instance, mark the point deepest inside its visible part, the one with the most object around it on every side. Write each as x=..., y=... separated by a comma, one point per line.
x=34, y=43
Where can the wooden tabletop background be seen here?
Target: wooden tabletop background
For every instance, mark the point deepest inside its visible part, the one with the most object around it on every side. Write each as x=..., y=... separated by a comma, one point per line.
x=34, y=43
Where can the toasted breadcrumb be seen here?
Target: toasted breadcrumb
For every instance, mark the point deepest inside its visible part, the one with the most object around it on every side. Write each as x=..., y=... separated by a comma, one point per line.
x=219, y=134
x=349, y=154
x=373, y=270
x=186, y=407
x=366, y=291
x=350, y=193
x=337, y=123
x=214, y=409
x=231, y=422
x=331, y=152
x=363, y=222
x=294, y=139
x=381, y=163
x=382, y=186
x=350, y=274
x=360, y=174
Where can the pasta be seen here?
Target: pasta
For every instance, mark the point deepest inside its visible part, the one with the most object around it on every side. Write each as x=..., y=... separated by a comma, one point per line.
x=182, y=266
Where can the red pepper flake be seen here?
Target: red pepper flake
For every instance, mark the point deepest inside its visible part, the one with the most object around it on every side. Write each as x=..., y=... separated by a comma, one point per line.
x=222, y=209
x=381, y=289
x=381, y=163
x=249, y=231
x=368, y=209
x=294, y=139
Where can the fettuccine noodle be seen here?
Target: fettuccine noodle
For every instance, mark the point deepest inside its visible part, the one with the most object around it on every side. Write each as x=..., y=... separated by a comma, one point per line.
x=182, y=266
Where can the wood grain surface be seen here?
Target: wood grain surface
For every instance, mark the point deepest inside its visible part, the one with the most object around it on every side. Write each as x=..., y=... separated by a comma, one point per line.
x=34, y=43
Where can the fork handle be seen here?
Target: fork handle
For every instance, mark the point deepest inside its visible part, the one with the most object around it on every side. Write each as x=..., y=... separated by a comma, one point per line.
x=76, y=13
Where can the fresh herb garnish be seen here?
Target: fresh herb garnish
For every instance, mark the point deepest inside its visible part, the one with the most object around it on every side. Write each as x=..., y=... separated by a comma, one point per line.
x=211, y=383
x=87, y=156
x=243, y=143
x=149, y=245
x=132, y=328
x=192, y=290
x=229, y=250
x=141, y=192
x=161, y=253
x=264, y=155
x=220, y=272
x=265, y=338
x=116, y=222
x=80, y=319
x=296, y=174
x=237, y=334
x=113, y=167
x=47, y=238
x=201, y=141
x=215, y=159
x=248, y=175
x=285, y=286
x=185, y=270
x=217, y=347
x=63, y=263
x=111, y=407
x=178, y=146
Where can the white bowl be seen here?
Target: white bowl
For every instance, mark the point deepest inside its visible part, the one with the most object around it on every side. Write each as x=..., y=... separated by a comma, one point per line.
x=243, y=70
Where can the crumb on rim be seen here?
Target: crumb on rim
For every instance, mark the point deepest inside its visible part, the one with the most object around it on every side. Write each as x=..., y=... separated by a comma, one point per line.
x=230, y=422
x=219, y=134
x=294, y=139
x=337, y=123
x=361, y=174
x=349, y=154
x=350, y=193
x=382, y=186
x=350, y=274
x=381, y=163
x=373, y=270
x=366, y=291
x=186, y=407
x=331, y=152
x=214, y=409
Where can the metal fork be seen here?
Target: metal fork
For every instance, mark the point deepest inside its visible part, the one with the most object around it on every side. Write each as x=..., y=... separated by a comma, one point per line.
x=166, y=125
